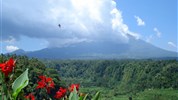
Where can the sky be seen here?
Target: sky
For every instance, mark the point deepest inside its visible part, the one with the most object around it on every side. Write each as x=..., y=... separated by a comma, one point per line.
x=34, y=24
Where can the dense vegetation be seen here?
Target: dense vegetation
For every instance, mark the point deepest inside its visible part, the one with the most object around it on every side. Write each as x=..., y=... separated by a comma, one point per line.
x=119, y=77
x=36, y=68
x=141, y=79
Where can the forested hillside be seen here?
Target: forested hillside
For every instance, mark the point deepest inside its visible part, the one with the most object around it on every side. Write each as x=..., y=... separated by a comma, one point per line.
x=150, y=79
x=120, y=76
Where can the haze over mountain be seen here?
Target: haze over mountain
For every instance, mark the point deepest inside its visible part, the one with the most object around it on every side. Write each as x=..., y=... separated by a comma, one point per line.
x=134, y=49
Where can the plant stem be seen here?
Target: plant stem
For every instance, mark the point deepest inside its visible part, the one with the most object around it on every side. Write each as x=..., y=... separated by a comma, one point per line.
x=4, y=87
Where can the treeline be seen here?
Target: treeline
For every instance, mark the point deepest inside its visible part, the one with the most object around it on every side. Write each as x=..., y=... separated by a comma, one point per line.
x=122, y=76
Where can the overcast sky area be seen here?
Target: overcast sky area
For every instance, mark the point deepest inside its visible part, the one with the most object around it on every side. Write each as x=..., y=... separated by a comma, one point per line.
x=34, y=24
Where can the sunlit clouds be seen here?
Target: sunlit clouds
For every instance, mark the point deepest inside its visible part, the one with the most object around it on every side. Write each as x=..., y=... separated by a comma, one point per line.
x=140, y=22
x=158, y=33
x=11, y=48
x=80, y=20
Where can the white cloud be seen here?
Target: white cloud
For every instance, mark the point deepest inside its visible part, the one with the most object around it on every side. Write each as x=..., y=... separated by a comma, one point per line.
x=153, y=36
x=172, y=44
x=149, y=39
x=119, y=26
x=140, y=22
x=158, y=33
x=11, y=48
x=81, y=19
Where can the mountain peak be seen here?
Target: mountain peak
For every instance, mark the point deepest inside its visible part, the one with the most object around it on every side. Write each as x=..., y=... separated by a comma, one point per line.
x=136, y=48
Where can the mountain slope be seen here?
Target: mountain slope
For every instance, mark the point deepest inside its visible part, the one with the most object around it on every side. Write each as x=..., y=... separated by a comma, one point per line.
x=103, y=50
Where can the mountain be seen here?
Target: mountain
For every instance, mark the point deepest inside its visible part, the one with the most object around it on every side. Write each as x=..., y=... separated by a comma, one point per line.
x=20, y=52
x=135, y=49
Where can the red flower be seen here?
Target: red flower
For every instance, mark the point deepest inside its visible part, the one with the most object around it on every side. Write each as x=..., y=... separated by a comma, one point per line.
x=10, y=62
x=48, y=79
x=46, y=82
x=42, y=77
x=60, y=93
x=30, y=96
x=2, y=65
x=50, y=85
x=71, y=88
x=41, y=84
x=8, y=66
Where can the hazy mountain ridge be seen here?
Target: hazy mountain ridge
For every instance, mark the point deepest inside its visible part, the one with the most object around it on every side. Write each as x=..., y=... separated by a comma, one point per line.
x=136, y=49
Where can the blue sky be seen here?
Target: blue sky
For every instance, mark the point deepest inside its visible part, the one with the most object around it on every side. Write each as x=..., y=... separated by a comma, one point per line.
x=33, y=25
x=160, y=14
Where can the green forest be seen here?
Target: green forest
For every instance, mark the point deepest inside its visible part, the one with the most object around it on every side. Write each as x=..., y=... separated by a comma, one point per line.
x=115, y=79
x=118, y=78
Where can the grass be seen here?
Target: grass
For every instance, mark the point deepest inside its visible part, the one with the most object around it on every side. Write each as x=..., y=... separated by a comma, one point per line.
x=150, y=94
x=157, y=94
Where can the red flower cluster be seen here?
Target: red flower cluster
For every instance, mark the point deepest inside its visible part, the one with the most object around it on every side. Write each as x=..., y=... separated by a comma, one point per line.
x=30, y=96
x=46, y=82
x=71, y=88
x=8, y=66
x=60, y=93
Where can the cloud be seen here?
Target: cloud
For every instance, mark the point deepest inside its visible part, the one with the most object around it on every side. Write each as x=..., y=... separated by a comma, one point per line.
x=149, y=38
x=140, y=22
x=66, y=42
x=158, y=33
x=119, y=26
x=11, y=48
x=80, y=20
x=10, y=40
x=153, y=36
x=172, y=44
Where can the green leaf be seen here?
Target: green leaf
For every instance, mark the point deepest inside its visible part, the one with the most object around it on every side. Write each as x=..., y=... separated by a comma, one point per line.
x=20, y=83
x=81, y=98
x=5, y=98
x=0, y=96
x=73, y=95
x=96, y=97
x=85, y=97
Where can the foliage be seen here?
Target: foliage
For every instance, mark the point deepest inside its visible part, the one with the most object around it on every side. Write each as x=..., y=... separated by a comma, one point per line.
x=157, y=94
x=39, y=86
x=20, y=83
x=118, y=77
x=6, y=75
x=115, y=79
x=73, y=95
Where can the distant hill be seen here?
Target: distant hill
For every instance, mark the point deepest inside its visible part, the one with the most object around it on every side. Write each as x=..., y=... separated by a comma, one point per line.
x=135, y=49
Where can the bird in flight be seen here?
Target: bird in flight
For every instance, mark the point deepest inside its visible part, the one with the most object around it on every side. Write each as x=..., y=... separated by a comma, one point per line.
x=59, y=25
